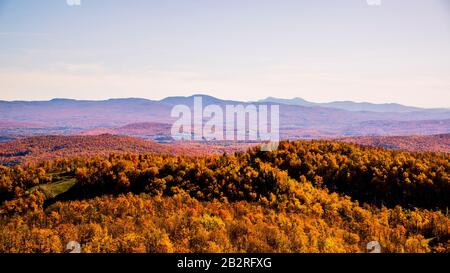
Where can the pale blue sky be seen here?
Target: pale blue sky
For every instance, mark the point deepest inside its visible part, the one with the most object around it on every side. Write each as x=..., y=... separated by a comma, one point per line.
x=320, y=50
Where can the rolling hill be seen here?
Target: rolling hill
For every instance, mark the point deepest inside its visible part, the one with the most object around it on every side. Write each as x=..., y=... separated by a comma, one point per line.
x=432, y=143
x=39, y=148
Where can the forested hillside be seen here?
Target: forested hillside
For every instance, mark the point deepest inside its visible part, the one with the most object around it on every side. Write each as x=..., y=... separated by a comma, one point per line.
x=39, y=148
x=428, y=143
x=308, y=196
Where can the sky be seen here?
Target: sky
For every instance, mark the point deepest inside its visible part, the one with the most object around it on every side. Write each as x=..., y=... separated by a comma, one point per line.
x=319, y=50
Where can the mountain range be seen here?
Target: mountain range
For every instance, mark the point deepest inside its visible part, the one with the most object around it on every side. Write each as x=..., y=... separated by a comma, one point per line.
x=352, y=106
x=151, y=118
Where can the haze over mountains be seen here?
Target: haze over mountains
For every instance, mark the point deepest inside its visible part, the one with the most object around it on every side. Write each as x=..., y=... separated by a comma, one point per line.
x=152, y=119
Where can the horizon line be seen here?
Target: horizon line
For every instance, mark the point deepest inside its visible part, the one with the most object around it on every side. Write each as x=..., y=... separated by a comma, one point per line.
x=243, y=101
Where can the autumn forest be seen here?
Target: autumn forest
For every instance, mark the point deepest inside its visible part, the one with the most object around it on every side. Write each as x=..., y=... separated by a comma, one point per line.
x=307, y=196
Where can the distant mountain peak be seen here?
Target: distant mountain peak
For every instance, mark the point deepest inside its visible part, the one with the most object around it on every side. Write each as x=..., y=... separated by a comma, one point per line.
x=206, y=99
x=294, y=101
x=61, y=99
x=128, y=100
x=346, y=105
